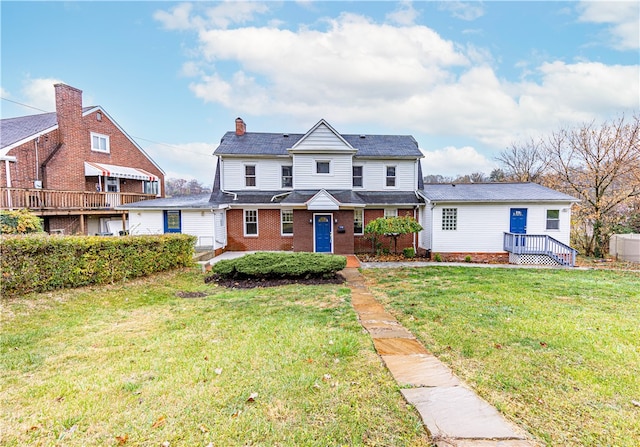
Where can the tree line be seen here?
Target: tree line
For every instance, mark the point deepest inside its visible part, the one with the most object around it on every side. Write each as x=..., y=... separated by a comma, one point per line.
x=597, y=163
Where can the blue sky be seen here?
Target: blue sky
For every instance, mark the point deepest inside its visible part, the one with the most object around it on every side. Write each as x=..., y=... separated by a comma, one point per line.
x=466, y=79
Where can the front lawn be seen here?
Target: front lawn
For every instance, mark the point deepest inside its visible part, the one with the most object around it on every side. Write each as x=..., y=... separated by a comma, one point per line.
x=557, y=351
x=150, y=362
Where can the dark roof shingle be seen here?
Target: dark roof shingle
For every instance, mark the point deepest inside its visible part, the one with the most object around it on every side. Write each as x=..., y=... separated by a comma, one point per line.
x=493, y=192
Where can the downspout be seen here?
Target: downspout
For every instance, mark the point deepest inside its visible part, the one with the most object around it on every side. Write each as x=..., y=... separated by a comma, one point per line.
x=8, y=174
x=35, y=142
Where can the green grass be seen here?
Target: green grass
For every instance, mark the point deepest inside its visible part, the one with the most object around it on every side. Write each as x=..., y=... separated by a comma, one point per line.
x=557, y=351
x=134, y=364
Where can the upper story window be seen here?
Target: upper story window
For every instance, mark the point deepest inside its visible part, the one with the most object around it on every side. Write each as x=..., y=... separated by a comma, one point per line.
x=286, y=222
x=150, y=187
x=287, y=176
x=112, y=184
x=391, y=176
x=358, y=221
x=357, y=176
x=553, y=219
x=323, y=167
x=449, y=219
x=250, y=175
x=99, y=142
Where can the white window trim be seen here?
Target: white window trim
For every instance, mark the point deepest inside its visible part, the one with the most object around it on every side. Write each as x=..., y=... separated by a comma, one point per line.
x=107, y=143
x=390, y=212
x=362, y=176
x=315, y=171
x=354, y=220
x=282, y=233
x=255, y=174
x=244, y=222
x=455, y=222
x=395, y=177
x=282, y=176
x=546, y=219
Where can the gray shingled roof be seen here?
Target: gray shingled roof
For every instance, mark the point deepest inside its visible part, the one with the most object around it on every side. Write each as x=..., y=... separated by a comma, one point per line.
x=15, y=129
x=196, y=201
x=493, y=192
x=274, y=144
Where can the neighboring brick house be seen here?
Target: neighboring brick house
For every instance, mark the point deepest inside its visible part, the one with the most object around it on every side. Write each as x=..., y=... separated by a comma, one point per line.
x=317, y=191
x=73, y=166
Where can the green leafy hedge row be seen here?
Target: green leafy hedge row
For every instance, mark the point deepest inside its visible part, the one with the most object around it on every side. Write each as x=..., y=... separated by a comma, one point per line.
x=279, y=265
x=37, y=263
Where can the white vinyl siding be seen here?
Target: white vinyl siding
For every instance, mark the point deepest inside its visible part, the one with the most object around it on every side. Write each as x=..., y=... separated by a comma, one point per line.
x=146, y=222
x=480, y=227
x=305, y=176
x=324, y=139
x=201, y=224
x=374, y=173
x=268, y=173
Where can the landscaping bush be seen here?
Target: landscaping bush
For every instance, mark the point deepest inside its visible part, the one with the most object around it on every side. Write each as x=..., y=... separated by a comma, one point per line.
x=19, y=222
x=279, y=265
x=409, y=252
x=37, y=263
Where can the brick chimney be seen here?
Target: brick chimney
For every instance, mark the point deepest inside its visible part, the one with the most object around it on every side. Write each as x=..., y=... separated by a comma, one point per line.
x=69, y=112
x=241, y=127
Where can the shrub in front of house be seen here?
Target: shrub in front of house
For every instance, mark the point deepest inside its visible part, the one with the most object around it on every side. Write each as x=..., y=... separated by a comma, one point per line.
x=409, y=252
x=278, y=265
x=19, y=222
x=37, y=263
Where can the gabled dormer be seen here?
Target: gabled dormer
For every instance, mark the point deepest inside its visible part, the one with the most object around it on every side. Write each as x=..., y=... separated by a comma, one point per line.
x=322, y=138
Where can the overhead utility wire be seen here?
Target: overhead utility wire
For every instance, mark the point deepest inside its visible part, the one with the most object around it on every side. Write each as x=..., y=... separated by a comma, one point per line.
x=139, y=138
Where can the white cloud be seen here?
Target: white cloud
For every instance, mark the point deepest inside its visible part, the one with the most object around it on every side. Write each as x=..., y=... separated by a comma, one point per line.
x=399, y=77
x=622, y=16
x=451, y=162
x=40, y=93
x=184, y=16
x=196, y=159
x=405, y=14
x=463, y=10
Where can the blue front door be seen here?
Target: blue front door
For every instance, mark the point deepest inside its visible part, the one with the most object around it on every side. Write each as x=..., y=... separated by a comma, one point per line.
x=172, y=221
x=322, y=229
x=518, y=224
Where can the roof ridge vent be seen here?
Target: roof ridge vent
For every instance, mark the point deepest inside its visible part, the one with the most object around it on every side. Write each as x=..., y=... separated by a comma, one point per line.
x=285, y=135
x=363, y=136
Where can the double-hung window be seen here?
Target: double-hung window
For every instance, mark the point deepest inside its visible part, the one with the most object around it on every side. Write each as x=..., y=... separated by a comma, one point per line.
x=149, y=187
x=250, y=175
x=358, y=221
x=99, y=142
x=390, y=179
x=250, y=222
x=390, y=212
x=449, y=219
x=357, y=176
x=287, y=176
x=286, y=222
x=553, y=219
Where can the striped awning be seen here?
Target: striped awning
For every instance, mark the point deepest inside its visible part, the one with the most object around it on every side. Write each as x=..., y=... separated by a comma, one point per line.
x=101, y=169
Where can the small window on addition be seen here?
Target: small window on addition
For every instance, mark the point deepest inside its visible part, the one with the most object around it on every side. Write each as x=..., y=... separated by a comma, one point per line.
x=553, y=219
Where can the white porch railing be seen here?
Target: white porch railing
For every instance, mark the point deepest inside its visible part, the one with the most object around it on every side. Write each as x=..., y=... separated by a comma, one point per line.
x=540, y=244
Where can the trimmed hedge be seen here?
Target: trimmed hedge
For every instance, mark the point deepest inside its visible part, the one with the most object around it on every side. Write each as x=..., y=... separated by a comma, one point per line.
x=37, y=263
x=279, y=265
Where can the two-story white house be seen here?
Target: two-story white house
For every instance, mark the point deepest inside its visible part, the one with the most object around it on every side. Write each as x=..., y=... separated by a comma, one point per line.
x=317, y=191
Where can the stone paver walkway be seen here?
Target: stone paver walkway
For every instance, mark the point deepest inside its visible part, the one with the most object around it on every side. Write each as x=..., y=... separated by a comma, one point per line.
x=452, y=413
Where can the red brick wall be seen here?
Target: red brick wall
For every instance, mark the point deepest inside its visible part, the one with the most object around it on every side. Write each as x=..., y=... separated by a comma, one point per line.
x=268, y=238
x=65, y=170
x=303, y=231
x=364, y=244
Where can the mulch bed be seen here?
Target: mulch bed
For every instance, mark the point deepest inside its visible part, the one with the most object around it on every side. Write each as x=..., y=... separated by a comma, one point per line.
x=250, y=283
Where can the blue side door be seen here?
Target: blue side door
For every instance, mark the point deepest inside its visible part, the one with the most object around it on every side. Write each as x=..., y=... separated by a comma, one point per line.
x=518, y=223
x=172, y=221
x=322, y=229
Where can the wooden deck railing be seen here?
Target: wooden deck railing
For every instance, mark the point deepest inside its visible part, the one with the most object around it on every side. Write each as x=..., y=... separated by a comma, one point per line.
x=49, y=200
x=540, y=244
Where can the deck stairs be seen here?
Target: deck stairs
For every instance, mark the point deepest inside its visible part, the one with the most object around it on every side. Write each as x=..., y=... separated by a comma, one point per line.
x=538, y=249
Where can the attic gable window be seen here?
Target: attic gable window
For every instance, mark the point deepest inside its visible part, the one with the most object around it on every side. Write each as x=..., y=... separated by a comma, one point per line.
x=100, y=143
x=250, y=175
x=323, y=167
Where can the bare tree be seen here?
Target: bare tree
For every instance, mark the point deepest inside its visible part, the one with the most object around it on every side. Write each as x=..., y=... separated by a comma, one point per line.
x=180, y=187
x=524, y=162
x=437, y=178
x=600, y=165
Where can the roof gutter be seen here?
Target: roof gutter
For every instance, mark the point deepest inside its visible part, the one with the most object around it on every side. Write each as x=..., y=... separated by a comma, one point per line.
x=280, y=195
